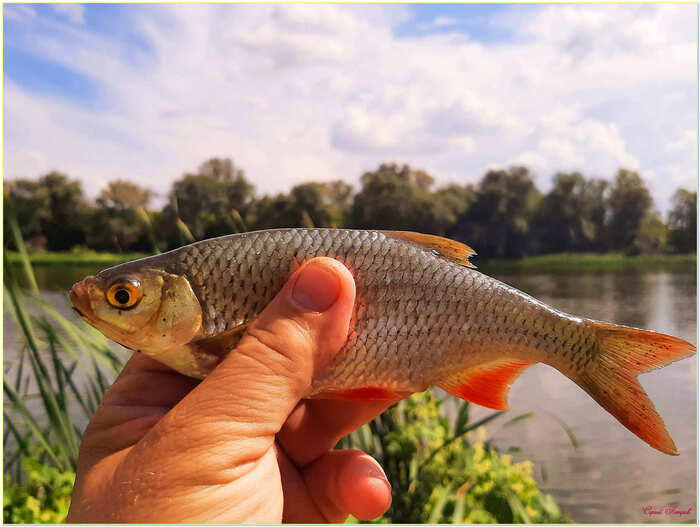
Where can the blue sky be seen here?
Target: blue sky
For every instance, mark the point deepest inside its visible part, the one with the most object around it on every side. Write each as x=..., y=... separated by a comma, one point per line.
x=35, y=73
x=293, y=93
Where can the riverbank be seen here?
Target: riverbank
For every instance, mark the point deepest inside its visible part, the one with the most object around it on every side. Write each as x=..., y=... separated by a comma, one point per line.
x=44, y=258
x=591, y=262
x=610, y=262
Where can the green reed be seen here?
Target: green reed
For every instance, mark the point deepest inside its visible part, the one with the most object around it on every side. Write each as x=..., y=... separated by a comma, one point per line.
x=43, y=399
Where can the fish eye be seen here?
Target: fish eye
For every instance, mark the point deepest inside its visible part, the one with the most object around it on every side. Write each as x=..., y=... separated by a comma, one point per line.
x=124, y=294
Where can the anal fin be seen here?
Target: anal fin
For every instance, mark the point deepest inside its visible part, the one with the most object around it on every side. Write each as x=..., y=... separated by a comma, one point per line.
x=486, y=384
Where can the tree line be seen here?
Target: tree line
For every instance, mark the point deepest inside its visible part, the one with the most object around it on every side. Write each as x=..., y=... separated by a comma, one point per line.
x=504, y=215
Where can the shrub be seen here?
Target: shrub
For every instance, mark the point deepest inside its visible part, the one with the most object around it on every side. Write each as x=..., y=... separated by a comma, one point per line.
x=444, y=473
x=44, y=497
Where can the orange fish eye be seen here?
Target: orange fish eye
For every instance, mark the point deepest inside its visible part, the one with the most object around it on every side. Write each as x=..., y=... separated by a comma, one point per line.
x=124, y=294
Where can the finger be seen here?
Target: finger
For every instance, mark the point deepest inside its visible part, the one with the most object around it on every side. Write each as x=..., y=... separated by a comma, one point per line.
x=316, y=425
x=343, y=482
x=142, y=394
x=146, y=382
x=297, y=334
x=298, y=505
x=231, y=418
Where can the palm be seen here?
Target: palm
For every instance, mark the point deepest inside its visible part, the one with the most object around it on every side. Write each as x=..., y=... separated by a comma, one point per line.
x=289, y=474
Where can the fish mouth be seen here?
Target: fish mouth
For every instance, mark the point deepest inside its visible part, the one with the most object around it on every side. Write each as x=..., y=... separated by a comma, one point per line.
x=80, y=299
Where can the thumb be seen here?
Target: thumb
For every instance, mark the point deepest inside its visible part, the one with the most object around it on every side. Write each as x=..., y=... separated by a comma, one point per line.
x=230, y=419
x=260, y=382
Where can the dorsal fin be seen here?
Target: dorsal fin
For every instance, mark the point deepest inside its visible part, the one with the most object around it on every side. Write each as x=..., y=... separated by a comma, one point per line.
x=450, y=249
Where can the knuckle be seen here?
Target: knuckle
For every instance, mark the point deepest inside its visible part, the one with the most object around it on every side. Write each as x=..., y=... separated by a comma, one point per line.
x=287, y=340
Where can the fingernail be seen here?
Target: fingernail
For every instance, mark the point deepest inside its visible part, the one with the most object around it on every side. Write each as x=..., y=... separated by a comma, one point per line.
x=317, y=287
x=375, y=470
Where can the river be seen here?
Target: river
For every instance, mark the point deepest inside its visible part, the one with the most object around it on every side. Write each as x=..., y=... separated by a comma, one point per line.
x=611, y=476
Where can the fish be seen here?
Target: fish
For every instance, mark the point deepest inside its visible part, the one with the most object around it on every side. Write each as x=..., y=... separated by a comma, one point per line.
x=423, y=316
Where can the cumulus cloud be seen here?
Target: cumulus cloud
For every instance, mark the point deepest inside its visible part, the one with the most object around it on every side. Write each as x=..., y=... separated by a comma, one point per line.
x=303, y=92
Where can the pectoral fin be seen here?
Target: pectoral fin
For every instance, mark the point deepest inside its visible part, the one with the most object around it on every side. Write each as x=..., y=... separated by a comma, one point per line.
x=221, y=344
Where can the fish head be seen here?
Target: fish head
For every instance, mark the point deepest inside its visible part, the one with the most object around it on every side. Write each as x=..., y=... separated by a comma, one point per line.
x=141, y=307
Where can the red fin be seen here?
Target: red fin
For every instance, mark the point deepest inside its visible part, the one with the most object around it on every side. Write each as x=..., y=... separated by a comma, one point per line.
x=450, y=249
x=487, y=384
x=638, y=350
x=622, y=354
x=369, y=393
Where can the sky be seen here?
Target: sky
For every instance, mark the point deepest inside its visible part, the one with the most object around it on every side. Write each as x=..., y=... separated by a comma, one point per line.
x=294, y=93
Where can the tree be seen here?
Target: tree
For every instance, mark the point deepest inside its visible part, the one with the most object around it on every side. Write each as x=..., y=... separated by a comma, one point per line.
x=498, y=222
x=121, y=195
x=652, y=237
x=307, y=205
x=205, y=200
x=571, y=216
x=121, y=222
x=28, y=205
x=682, y=222
x=629, y=202
x=400, y=198
x=53, y=208
x=327, y=204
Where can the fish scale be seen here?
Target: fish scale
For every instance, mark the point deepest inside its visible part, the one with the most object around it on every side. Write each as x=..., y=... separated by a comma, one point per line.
x=423, y=316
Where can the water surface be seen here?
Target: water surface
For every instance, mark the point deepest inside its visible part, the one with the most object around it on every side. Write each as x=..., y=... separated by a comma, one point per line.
x=612, y=475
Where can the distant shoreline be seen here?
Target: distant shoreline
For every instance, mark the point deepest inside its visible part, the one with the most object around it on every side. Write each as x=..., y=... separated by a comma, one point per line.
x=591, y=262
x=548, y=263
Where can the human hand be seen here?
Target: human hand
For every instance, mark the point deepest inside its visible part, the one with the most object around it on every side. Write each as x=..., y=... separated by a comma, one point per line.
x=242, y=446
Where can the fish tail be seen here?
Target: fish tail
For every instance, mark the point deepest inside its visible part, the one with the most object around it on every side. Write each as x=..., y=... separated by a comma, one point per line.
x=620, y=354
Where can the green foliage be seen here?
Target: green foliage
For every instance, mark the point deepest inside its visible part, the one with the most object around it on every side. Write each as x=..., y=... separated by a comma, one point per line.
x=399, y=198
x=448, y=473
x=41, y=394
x=652, y=237
x=498, y=223
x=120, y=221
x=682, y=222
x=504, y=216
x=307, y=205
x=571, y=216
x=628, y=204
x=608, y=263
x=43, y=498
x=205, y=200
x=53, y=209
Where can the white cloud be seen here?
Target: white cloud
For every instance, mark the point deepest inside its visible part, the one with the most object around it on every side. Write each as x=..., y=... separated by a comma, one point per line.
x=581, y=31
x=687, y=142
x=295, y=93
x=439, y=22
x=75, y=13
x=445, y=21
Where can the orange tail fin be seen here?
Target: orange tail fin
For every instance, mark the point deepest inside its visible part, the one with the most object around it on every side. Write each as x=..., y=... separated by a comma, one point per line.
x=622, y=354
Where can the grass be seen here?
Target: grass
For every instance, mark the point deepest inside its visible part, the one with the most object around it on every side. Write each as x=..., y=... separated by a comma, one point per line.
x=592, y=262
x=42, y=393
x=83, y=257
x=563, y=262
